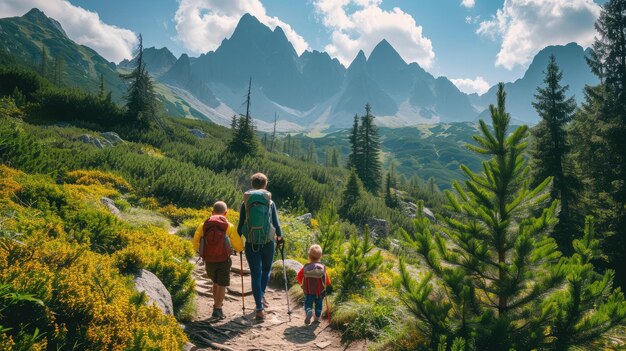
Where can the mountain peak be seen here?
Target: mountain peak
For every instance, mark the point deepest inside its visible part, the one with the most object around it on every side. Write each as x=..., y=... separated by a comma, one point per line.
x=36, y=15
x=247, y=22
x=385, y=54
x=250, y=30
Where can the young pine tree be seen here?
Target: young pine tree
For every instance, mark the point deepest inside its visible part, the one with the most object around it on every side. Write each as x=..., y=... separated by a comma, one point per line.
x=329, y=236
x=357, y=265
x=551, y=148
x=371, y=174
x=494, y=272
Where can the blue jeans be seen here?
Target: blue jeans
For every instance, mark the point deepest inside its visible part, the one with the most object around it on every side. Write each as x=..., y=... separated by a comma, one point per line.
x=260, y=258
x=309, y=299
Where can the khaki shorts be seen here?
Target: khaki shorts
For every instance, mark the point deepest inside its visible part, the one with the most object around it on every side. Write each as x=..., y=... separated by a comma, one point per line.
x=219, y=272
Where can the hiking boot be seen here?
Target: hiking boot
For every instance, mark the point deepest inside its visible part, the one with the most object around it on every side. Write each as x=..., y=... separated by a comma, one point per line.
x=309, y=314
x=260, y=315
x=316, y=319
x=218, y=314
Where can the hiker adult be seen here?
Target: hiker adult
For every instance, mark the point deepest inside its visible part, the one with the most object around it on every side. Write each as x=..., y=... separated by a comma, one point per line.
x=258, y=223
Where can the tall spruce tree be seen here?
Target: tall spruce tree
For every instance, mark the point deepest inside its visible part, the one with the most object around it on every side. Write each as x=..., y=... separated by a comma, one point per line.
x=140, y=96
x=355, y=158
x=233, y=122
x=101, y=88
x=59, y=68
x=312, y=153
x=244, y=141
x=274, y=132
x=551, y=148
x=495, y=276
x=351, y=194
x=43, y=65
x=391, y=199
x=599, y=138
x=371, y=173
x=335, y=159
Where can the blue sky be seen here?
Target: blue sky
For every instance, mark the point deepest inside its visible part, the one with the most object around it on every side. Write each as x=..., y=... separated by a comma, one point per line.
x=476, y=43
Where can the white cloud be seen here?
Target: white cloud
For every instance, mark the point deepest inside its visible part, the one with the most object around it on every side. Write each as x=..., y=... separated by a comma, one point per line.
x=527, y=26
x=468, y=3
x=80, y=25
x=472, y=20
x=478, y=85
x=361, y=24
x=201, y=25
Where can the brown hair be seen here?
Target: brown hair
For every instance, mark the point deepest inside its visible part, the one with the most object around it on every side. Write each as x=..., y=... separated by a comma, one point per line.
x=315, y=252
x=258, y=180
x=219, y=208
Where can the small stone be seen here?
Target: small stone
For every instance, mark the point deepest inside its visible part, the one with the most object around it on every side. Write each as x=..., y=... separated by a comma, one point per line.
x=323, y=345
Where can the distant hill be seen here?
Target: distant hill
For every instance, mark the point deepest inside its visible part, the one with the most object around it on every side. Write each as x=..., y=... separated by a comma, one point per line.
x=520, y=94
x=158, y=61
x=425, y=150
x=23, y=38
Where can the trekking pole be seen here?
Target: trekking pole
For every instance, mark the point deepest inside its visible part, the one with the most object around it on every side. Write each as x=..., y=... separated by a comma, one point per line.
x=326, y=295
x=243, y=293
x=282, y=254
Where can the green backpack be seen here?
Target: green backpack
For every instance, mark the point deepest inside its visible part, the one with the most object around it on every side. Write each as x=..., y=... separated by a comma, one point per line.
x=257, y=228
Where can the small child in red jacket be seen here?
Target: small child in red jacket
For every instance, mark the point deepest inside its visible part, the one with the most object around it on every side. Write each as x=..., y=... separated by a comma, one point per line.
x=314, y=280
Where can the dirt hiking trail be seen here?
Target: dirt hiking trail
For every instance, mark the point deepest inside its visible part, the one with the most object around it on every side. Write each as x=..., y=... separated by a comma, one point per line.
x=239, y=333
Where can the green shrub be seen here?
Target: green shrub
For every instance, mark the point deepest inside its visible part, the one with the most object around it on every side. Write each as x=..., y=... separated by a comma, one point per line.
x=99, y=229
x=362, y=319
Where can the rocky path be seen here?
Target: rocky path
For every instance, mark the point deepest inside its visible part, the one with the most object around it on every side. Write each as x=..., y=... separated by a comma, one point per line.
x=242, y=332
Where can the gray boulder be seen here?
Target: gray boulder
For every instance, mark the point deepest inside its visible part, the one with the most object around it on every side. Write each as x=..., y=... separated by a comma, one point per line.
x=85, y=138
x=198, y=133
x=110, y=204
x=112, y=137
x=154, y=289
x=305, y=218
x=292, y=268
x=88, y=139
x=97, y=143
x=428, y=213
x=379, y=228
